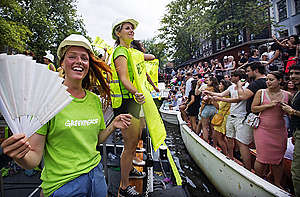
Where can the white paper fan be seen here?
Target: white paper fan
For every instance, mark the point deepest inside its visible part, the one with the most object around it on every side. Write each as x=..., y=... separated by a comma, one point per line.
x=30, y=94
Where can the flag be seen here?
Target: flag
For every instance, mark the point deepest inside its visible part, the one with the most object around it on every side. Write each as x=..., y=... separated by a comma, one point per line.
x=152, y=70
x=154, y=122
x=99, y=42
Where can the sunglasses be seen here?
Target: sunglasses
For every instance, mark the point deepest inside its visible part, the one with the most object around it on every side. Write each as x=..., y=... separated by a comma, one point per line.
x=295, y=73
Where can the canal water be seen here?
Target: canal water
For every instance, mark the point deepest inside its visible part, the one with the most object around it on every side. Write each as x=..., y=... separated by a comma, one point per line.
x=198, y=184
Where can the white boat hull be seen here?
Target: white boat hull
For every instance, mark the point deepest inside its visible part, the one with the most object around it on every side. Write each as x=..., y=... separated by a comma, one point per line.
x=227, y=176
x=169, y=116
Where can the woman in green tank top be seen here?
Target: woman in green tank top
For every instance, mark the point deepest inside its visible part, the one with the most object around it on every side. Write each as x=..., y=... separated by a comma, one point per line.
x=123, y=33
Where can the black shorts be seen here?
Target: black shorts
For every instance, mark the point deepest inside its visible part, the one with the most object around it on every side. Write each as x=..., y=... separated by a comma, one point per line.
x=128, y=106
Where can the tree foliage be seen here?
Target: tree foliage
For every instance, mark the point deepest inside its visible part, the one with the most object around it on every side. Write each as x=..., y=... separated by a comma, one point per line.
x=189, y=24
x=14, y=34
x=158, y=49
x=45, y=22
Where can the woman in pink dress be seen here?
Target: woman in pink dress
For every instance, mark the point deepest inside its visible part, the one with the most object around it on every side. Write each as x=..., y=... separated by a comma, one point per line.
x=271, y=135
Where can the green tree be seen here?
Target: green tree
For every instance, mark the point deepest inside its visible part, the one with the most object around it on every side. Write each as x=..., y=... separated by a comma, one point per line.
x=51, y=21
x=158, y=49
x=47, y=21
x=182, y=28
x=189, y=24
x=14, y=34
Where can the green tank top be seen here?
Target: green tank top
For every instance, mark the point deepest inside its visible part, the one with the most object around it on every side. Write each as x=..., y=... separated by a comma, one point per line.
x=123, y=51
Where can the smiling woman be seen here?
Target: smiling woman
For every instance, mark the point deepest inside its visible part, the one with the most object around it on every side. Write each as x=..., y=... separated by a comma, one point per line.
x=68, y=141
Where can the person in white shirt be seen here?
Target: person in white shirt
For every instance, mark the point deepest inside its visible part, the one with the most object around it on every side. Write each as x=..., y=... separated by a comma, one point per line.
x=235, y=127
x=188, y=85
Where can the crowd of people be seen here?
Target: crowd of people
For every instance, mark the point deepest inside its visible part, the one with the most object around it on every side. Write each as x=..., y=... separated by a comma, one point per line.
x=245, y=105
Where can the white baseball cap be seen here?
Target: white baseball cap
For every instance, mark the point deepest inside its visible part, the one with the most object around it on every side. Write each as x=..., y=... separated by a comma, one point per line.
x=73, y=40
x=121, y=21
x=49, y=56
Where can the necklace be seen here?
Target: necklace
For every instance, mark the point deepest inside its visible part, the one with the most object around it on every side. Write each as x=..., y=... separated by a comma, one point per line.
x=275, y=96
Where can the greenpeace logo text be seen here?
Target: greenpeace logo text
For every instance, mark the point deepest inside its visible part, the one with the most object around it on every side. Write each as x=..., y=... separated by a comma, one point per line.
x=78, y=123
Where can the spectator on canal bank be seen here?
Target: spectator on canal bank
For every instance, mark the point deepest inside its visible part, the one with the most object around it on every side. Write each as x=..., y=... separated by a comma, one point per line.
x=236, y=129
x=219, y=131
x=294, y=111
x=243, y=58
x=188, y=85
x=193, y=105
x=254, y=56
x=275, y=61
x=218, y=69
x=256, y=72
x=208, y=107
x=271, y=135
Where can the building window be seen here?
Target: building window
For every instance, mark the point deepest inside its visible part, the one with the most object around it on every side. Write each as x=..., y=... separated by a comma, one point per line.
x=284, y=33
x=297, y=29
x=282, y=12
x=297, y=6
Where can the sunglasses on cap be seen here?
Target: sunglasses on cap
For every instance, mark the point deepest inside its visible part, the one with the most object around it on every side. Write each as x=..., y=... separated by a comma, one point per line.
x=296, y=73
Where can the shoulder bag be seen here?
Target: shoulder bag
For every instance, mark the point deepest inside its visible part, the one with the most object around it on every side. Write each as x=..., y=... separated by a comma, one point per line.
x=252, y=119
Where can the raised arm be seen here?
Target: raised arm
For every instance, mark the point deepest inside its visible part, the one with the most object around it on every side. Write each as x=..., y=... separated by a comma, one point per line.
x=277, y=53
x=244, y=94
x=227, y=100
x=151, y=82
x=122, y=121
x=27, y=153
x=149, y=57
x=234, y=65
x=197, y=89
x=221, y=94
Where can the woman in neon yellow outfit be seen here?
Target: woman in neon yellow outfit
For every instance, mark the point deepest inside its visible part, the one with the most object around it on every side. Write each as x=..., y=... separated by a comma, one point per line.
x=126, y=99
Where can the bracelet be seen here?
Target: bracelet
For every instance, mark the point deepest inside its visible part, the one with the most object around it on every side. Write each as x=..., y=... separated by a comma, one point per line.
x=294, y=112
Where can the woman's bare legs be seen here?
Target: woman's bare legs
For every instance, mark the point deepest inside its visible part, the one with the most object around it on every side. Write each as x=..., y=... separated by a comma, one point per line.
x=245, y=153
x=259, y=168
x=214, y=138
x=130, y=136
x=205, y=128
x=198, y=128
x=142, y=126
x=230, y=143
x=193, y=123
x=184, y=115
x=277, y=171
x=222, y=143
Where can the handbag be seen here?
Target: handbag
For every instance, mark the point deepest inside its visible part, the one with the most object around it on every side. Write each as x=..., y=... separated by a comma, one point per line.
x=252, y=119
x=217, y=119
